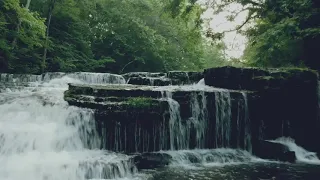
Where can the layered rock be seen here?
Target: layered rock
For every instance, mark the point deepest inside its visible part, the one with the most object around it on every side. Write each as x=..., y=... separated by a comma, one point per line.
x=163, y=79
x=253, y=105
x=287, y=103
x=135, y=118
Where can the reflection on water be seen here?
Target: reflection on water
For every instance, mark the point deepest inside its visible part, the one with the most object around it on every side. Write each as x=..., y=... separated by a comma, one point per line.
x=250, y=171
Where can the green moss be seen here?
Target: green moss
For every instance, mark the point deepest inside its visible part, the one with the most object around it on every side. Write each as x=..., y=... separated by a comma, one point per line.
x=140, y=102
x=267, y=78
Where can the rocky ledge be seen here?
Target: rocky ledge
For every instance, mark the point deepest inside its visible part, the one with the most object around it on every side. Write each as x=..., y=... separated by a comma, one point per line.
x=137, y=118
x=287, y=103
x=253, y=104
x=163, y=79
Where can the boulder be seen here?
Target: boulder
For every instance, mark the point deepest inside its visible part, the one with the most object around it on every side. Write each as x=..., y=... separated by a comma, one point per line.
x=152, y=160
x=274, y=151
x=229, y=77
x=257, y=79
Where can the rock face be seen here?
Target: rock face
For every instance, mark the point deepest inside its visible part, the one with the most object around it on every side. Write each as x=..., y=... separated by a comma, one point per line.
x=287, y=103
x=135, y=118
x=238, y=108
x=163, y=79
x=152, y=160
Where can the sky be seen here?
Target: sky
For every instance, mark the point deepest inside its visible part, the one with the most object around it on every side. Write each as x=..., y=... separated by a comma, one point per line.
x=234, y=41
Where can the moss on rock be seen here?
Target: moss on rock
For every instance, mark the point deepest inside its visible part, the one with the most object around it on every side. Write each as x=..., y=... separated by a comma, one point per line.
x=141, y=102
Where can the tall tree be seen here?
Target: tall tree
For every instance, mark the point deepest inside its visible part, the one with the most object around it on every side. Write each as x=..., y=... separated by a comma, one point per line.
x=51, y=7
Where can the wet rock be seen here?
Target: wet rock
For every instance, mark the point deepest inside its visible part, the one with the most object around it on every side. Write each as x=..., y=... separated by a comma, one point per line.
x=181, y=77
x=274, y=151
x=163, y=79
x=287, y=103
x=149, y=81
x=144, y=74
x=257, y=79
x=152, y=160
x=112, y=90
x=233, y=78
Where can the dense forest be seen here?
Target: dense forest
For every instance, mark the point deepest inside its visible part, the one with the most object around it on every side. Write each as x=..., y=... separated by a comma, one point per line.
x=103, y=36
x=119, y=36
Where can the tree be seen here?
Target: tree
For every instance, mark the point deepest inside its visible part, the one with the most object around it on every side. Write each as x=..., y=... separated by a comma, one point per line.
x=19, y=46
x=104, y=36
x=285, y=33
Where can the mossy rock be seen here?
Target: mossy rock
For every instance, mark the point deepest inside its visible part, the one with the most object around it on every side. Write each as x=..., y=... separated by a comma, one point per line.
x=256, y=79
x=141, y=102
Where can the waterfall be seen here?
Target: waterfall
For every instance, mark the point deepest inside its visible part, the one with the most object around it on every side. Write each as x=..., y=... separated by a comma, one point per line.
x=223, y=118
x=41, y=137
x=247, y=129
x=98, y=78
x=180, y=131
x=86, y=77
x=209, y=157
x=199, y=117
x=179, y=138
x=302, y=155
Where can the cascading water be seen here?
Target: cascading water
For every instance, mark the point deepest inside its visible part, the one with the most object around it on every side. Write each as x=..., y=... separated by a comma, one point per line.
x=207, y=157
x=179, y=138
x=199, y=118
x=180, y=131
x=42, y=138
x=302, y=155
x=247, y=123
x=223, y=118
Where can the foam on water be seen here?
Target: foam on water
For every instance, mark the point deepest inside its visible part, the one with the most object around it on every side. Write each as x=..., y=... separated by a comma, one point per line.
x=210, y=157
x=42, y=138
x=302, y=155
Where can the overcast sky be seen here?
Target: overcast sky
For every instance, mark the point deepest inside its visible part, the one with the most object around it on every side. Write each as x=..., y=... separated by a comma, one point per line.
x=235, y=42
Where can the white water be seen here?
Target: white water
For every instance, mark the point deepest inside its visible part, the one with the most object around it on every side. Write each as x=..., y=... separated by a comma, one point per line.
x=178, y=131
x=199, y=118
x=223, y=119
x=42, y=138
x=210, y=157
x=302, y=155
x=247, y=123
x=87, y=77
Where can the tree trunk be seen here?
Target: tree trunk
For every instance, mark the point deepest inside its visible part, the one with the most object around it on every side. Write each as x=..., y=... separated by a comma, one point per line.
x=44, y=59
x=28, y=4
x=14, y=42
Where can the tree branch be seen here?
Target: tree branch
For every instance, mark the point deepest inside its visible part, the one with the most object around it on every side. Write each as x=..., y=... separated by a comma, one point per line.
x=250, y=16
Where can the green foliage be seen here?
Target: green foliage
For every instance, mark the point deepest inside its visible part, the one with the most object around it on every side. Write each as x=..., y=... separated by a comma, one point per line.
x=285, y=33
x=21, y=37
x=140, y=102
x=103, y=36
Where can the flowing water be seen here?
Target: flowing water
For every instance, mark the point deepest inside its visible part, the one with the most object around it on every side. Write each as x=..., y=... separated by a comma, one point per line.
x=223, y=119
x=42, y=138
